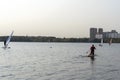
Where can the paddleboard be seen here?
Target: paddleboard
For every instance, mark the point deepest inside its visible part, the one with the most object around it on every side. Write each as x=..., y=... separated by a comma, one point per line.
x=88, y=55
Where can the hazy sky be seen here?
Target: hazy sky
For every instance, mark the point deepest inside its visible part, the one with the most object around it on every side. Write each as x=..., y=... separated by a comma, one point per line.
x=60, y=18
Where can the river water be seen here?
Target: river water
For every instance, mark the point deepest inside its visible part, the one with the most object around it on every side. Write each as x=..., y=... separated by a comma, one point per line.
x=59, y=61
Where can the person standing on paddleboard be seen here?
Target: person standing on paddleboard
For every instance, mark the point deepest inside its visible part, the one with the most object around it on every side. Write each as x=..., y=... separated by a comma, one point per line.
x=92, y=50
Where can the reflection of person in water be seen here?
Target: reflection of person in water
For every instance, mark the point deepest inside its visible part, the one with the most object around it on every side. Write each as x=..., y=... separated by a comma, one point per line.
x=92, y=58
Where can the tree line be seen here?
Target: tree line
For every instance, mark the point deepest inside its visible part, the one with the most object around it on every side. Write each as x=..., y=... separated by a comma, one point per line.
x=53, y=39
x=42, y=39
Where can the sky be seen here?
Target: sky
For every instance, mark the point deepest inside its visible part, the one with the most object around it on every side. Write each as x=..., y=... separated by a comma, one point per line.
x=59, y=18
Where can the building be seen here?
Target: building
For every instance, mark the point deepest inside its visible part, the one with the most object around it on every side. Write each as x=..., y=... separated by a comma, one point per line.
x=100, y=31
x=99, y=36
x=112, y=34
x=93, y=32
x=118, y=35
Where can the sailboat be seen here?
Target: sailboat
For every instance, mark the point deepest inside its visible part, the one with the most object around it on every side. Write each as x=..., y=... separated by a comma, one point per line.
x=101, y=44
x=7, y=41
x=110, y=42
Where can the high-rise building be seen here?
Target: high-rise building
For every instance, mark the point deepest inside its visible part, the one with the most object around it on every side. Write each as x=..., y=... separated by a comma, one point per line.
x=93, y=32
x=100, y=31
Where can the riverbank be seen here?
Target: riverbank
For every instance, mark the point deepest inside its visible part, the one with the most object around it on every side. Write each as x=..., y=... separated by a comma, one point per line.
x=54, y=39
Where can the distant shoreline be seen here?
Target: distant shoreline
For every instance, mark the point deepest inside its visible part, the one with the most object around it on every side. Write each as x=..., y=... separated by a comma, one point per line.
x=53, y=39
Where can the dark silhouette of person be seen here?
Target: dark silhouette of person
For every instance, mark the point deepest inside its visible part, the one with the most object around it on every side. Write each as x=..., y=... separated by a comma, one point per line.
x=5, y=43
x=92, y=50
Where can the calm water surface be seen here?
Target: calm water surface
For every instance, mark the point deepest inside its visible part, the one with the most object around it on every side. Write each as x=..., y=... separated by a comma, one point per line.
x=59, y=61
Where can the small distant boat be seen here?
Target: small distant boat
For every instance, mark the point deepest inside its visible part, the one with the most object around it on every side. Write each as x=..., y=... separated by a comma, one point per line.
x=7, y=41
x=101, y=44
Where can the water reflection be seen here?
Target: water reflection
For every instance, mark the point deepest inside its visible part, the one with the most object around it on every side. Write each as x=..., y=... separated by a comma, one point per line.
x=92, y=59
x=92, y=64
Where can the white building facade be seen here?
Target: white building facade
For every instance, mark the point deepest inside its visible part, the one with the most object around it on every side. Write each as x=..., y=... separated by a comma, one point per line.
x=112, y=34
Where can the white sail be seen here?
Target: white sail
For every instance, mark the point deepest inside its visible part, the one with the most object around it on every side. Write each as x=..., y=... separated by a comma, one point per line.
x=101, y=41
x=101, y=44
x=8, y=39
x=110, y=42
